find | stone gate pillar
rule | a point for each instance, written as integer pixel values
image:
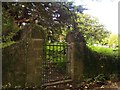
(76, 54)
(34, 59)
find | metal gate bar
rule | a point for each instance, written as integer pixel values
(55, 63)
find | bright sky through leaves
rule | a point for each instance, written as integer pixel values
(105, 10)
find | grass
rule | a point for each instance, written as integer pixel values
(102, 50)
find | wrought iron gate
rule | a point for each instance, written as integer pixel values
(56, 63)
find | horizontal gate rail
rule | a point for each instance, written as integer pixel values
(58, 82)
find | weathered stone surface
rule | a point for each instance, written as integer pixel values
(76, 51)
(22, 62)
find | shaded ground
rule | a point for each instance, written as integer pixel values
(108, 85)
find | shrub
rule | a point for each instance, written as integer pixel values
(101, 60)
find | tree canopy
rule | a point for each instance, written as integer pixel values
(57, 18)
(50, 15)
(91, 28)
(113, 40)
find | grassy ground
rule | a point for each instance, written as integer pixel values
(102, 50)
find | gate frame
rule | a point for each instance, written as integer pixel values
(76, 56)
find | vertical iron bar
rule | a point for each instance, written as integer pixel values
(60, 52)
(48, 62)
(44, 63)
